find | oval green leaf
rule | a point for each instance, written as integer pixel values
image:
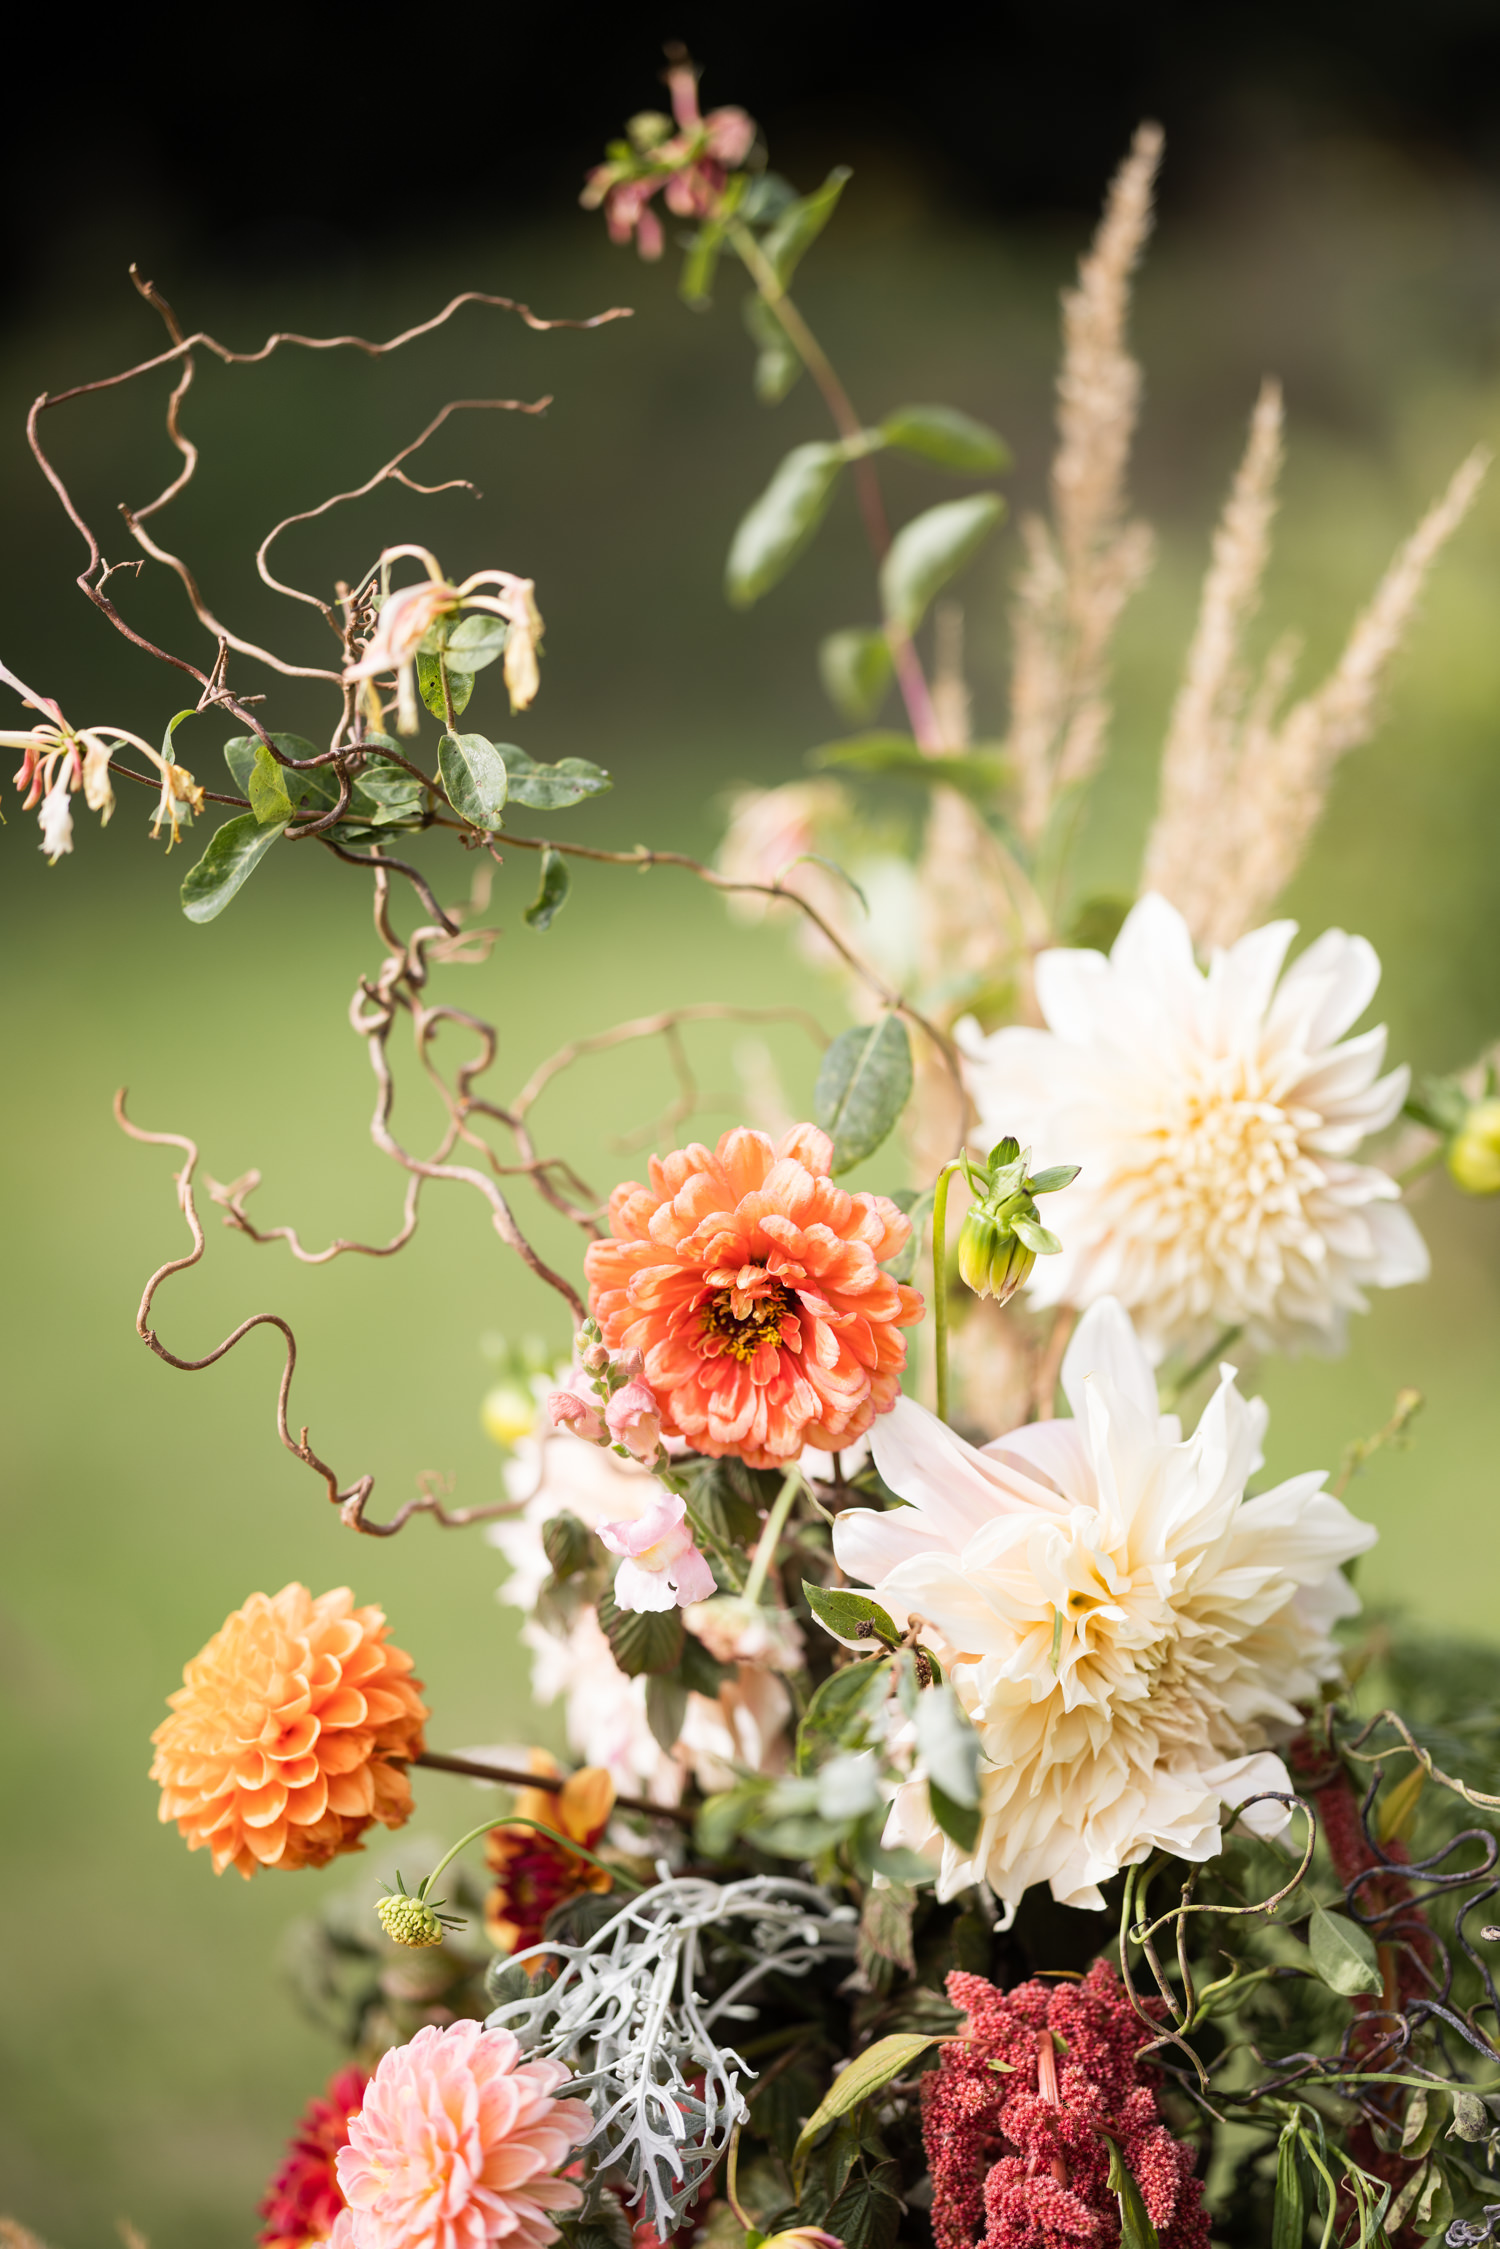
(843, 1613)
(863, 1086)
(951, 439)
(978, 772)
(269, 800)
(476, 640)
(948, 1746)
(430, 685)
(959, 1822)
(234, 852)
(930, 550)
(796, 230)
(474, 778)
(552, 892)
(855, 668)
(781, 522)
(551, 788)
(648, 1640)
(866, 2075)
(1343, 1953)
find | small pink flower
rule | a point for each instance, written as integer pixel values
(661, 1567)
(458, 2145)
(634, 1419)
(567, 1410)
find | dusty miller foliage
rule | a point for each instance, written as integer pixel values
(626, 2014)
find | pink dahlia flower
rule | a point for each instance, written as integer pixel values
(458, 2145)
(752, 1285)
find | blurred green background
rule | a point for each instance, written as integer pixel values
(149, 2063)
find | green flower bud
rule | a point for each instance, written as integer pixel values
(991, 1260)
(1474, 1152)
(409, 1921)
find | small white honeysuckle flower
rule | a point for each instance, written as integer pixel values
(408, 615)
(55, 815)
(1214, 1114)
(1129, 1634)
(98, 791)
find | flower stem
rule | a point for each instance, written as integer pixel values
(765, 1552)
(1423, 1165)
(1200, 1366)
(910, 677)
(940, 1281)
(519, 1819)
(732, 2181)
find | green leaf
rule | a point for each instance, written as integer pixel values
(1097, 923)
(567, 1543)
(1289, 2217)
(666, 1708)
(1039, 1239)
(1471, 2119)
(866, 2075)
(885, 1926)
(473, 775)
(695, 283)
(903, 1266)
(234, 852)
(977, 773)
(777, 364)
(958, 1821)
(864, 1083)
(476, 640)
(948, 1745)
(855, 668)
(430, 685)
(269, 800)
(843, 1613)
(319, 786)
(835, 1717)
(1342, 1953)
(648, 1640)
(551, 788)
(384, 792)
(552, 892)
(781, 522)
(1053, 1180)
(930, 550)
(943, 434)
(1136, 2229)
(723, 1818)
(702, 1673)
(787, 243)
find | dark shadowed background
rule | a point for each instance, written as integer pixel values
(1330, 212)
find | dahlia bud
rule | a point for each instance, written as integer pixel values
(992, 1261)
(1002, 1236)
(409, 1921)
(1474, 1152)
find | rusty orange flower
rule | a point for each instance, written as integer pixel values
(752, 1286)
(290, 1734)
(533, 1872)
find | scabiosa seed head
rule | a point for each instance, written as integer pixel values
(409, 1921)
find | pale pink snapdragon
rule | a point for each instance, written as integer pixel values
(660, 1566)
(567, 1409)
(634, 1419)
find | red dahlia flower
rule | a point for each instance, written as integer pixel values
(304, 2198)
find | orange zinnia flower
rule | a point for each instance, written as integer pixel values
(290, 1734)
(532, 1872)
(752, 1285)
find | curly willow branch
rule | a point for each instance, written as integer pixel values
(95, 573)
(351, 1502)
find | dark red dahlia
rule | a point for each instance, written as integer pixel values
(1020, 2153)
(303, 2199)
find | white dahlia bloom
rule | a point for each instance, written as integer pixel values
(1214, 1115)
(1130, 1634)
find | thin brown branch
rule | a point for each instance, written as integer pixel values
(553, 1783)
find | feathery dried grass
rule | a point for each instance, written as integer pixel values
(1203, 738)
(1080, 572)
(1241, 798)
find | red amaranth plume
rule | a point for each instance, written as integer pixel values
(1020, 2154)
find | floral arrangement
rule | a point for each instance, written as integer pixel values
(971, 1834)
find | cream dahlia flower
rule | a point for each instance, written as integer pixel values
(1214, 1115)
(1130, 1634)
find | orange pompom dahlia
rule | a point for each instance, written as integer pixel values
(290, 1733)
(752, 1286)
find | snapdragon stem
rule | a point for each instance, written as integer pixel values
(765, 1552)
(1199, 1367)
(940, 1281)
